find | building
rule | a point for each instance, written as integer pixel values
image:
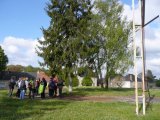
(127, 81)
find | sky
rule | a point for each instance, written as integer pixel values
(21, 22)
(20, 27)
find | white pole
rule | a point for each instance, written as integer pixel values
(135, 63)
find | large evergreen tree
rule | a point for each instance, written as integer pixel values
(66, 35)
(3, 60)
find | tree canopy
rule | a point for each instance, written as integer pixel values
(20, 68)
(66, 34)
(110, 33)
(148, 75)
(3, 60)
(88, 35)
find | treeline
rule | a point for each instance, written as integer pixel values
(20, 68)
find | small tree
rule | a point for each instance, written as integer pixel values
(158, 83)
(87, 81)
(150, 76)
(74, 82)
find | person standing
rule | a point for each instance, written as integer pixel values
(60, 85)
(11, 85)
(37, 86)
(22, 89)
(51, 87)
(31, 87)
(18, 85)
(44, 84)
(55, 79)
(26, 83)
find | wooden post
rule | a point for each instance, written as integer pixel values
(135, 63)
(143, 53)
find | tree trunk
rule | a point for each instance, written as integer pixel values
(106, 81)
(70, 82)
(102, 83)
(0, 74)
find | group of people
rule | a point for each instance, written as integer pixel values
(36, 87)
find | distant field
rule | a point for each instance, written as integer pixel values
(61, 109)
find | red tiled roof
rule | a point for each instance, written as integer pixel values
(41, 74)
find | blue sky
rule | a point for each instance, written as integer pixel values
(24, 18)
(21, 20)
(129, 2)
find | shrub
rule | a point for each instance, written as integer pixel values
(87, 81)
(158, 83)
(75, 81)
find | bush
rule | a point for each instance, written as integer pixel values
(158, 83)
(87, 81)
(75, 81)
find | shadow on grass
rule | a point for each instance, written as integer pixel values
(15, 109)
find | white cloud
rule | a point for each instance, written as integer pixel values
(128, 12)
(20, 51)
(12, 49)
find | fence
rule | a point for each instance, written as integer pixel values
(3, 84)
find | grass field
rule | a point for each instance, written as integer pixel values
(90, 91)
(60, 109)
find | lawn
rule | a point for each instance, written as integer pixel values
(60, 109)
(90, 91)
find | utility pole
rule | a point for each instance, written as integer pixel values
(143, 56)
(135, 61)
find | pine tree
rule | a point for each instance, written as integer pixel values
(64, 38)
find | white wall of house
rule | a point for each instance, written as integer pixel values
(126, 84)
(139, 84)
(94, 82)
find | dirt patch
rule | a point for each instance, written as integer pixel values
(129, 99)
(99, 98)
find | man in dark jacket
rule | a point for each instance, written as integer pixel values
(44, 83)
(60, 85)
(11, 85)
(51, 87)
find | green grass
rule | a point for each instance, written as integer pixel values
(95, 91)
(102, 91)
(57, 109)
